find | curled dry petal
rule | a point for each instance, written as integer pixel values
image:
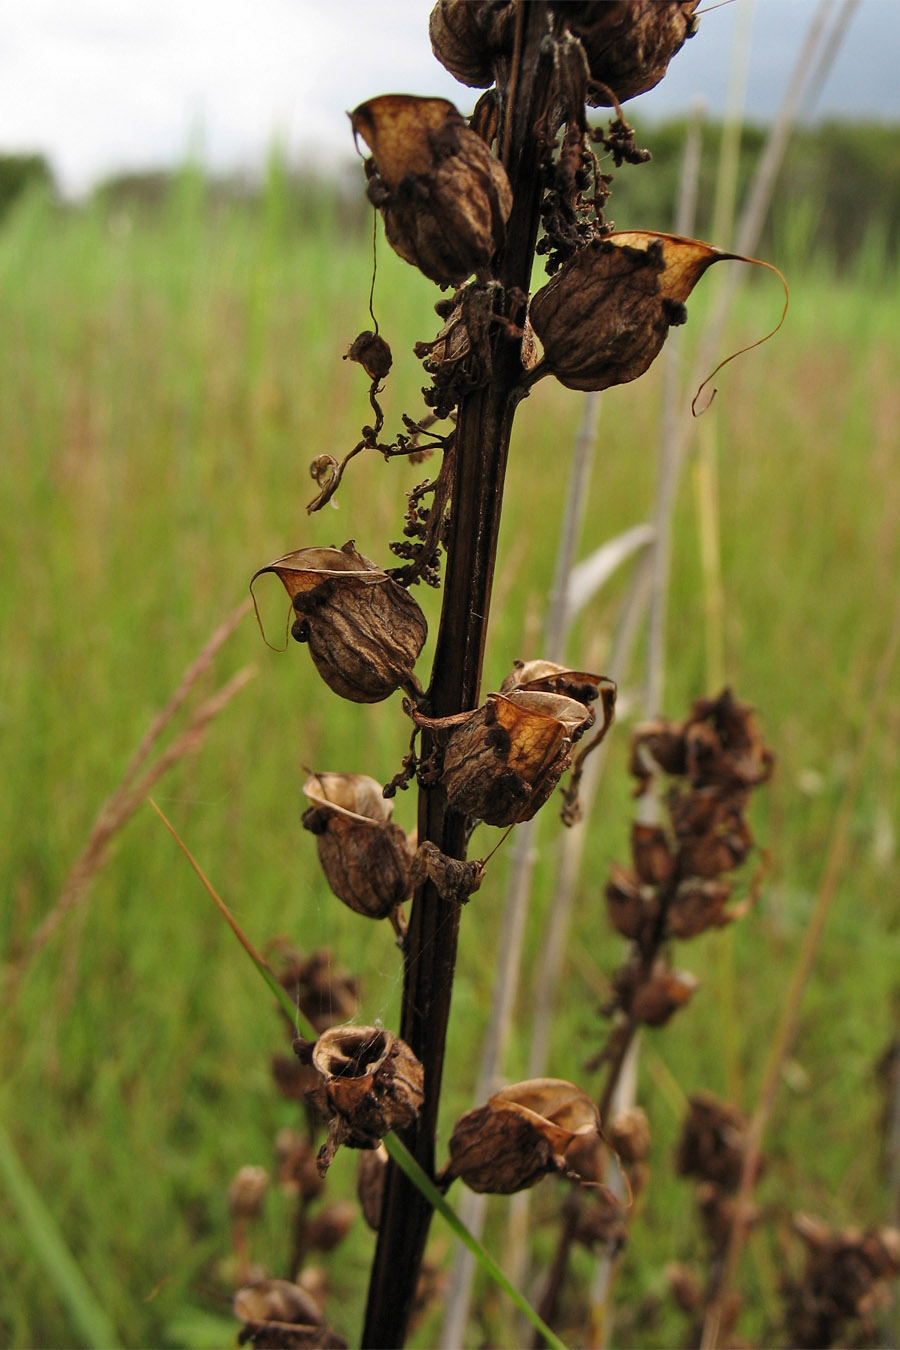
(629, 43)
(603, 318)
(365, 857)
(364, 631)
(525, 1131)
(371, 1083)
(444, 198)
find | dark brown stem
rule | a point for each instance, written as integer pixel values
(482, 443)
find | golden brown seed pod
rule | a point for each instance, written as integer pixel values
(444, 197)
(364, 631)
(603, 318)
(525, 1131)
(365, 857)
(467, 35)
(371, 1083)
(629, 43)
(502, 761)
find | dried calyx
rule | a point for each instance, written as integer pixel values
(364, 855)
(370, 1083)
(628, 43)
(501, 762)
(364, 631)
(524, 1132)
(445, 199)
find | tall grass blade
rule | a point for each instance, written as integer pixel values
(50, 1249)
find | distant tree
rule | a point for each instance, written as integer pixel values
(19, 174)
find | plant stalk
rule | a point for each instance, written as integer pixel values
(484, 427)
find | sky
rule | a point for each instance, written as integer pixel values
(103, 86)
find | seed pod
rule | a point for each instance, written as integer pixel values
(330, 1226)
(364, 855)
(522, 1133)
(364, 631)
(444, 198)
(548, 677)
(371, 1083)
(502, 761)
(697, 906)
(279, 1313)
(371, 352)
(370, 1174)
(632, 908)
(466, 36)
(655, 998)
(629, 43)
(605, 315)
(247, 1192)
(650, 850)
(713, 1142)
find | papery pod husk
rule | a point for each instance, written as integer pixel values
(290, 1336)
(657, 998)
(650, 851)
(282, 1316)
(713, 1143)
(549, 677)
(371, 1083)
(604, 316)
(365, 857)
(629, 43)
(632, 908)
(467, 35)
(723, 745)
(502, 761)
(524, 1132)
(364, 631)
(445, 199)
(698, 906)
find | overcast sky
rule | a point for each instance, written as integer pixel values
(105, 85)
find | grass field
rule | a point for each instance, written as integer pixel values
(165, 383)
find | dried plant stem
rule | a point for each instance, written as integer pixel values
(787, 1028)
(482, 442)
(134, 786)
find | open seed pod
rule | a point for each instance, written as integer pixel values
(502, 761)
(364, 855)
(277, 1312)
(604, 316)
(549, 677)
(364, 631)
(444, 198)
(466, 36)
(525, 1131)
(371, 1083)
(629, 43)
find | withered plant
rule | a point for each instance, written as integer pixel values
(471, 202)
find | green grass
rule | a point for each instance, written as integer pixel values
(166, 382)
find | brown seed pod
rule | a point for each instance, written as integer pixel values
(697, 906)
(370, 1174)
(522, 1133)
(467, 35)
(247, 1192)
(629, 43)
(633, 909)
(502, 761)
(548, 677)
(653, 860)
(364, 855)
(371, 352)
(656, 997)
(371, 1083)
(364, 631)
(444, 198)
(713, 1142)
(604, 316)
(277, 1313)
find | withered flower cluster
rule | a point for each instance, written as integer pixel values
(676, 886)
(843, 1284)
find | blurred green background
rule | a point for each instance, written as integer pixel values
(170, 363)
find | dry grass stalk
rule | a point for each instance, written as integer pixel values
(134, 786)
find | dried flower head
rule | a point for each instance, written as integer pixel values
(525, 1131)
(443, 196)
(364, 855)
(468, 35)
(364, 631)
(371, 1083)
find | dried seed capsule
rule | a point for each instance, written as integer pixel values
(277, 1312)
(629, 43)
(466, 36)
(371, 352)
(653, 860)
(548, 677)
(502, 761)
(364, 631)
(364, 855)
(632, 908)
(605, 315)
(370, 1174)
(522, 1133)
(247, 1192)
(444, 198)
(371, 1083)
(713, 1142)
